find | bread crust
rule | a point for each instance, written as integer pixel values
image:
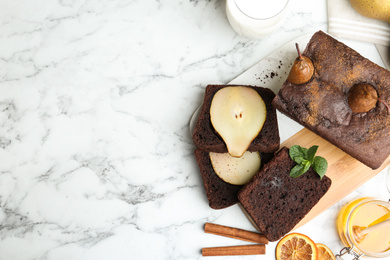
(321, 105)
(277, 202)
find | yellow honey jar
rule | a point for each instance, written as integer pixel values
(363, 213)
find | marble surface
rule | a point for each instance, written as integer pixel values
(95, 99)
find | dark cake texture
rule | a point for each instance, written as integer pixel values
(220, 194)
(275, 201)
(207, 139)
(321, 104)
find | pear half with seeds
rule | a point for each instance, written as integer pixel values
(237, 114)
(233, 170)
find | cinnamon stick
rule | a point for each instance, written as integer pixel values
(235, 233)
(257, 249)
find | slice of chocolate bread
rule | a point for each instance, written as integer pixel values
(207, 139)
(275, 201)
(220, 194)
(321, 104)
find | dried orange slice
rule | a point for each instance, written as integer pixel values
(324, 253)
(296, 246)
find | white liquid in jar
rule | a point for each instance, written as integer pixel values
(255, 18)
(260, 9)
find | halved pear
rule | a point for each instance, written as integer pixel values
(233, 170)
(238, 114)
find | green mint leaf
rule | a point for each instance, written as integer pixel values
(304, 151)
(320, 165)
(305, 158)
(300, 160)
(297, 171)
(306, 166)
(311, 153)
(297, 151)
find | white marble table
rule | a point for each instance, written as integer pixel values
(95, 99)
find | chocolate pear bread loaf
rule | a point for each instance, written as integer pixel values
(220, 194)
(275, 201)
(207, 139)
(324, 103)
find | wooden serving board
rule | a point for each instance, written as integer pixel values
(346, 173)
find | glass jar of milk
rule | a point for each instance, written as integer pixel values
(256, 18)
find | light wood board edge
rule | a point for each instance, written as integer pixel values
(346, 173)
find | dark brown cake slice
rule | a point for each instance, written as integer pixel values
(207, 139)
(275, 201)
(321, 104)
(220, 194)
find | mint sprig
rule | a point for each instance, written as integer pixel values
(305, 158)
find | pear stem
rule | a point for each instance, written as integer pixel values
(299, 52)
(384, 103)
